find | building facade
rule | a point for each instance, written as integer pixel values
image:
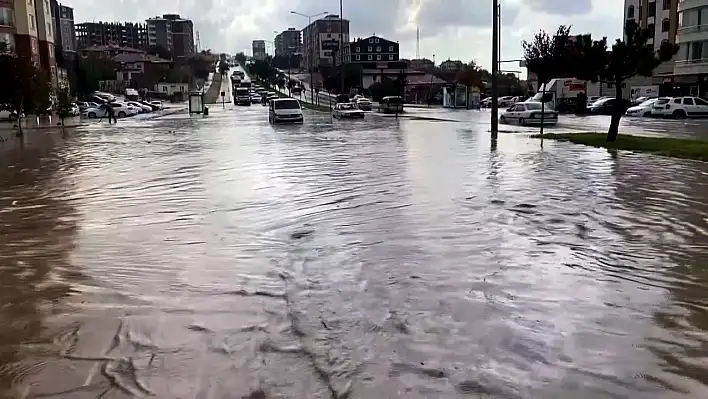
(173, 33)
(128, 34)
(64, 30)
(259, 49)
(26, 34)
(321, 41)
(288, 43)
(692, 38)
(8, 26)
(371, 50)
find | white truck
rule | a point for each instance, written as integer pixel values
(643, 91)
(560, 93)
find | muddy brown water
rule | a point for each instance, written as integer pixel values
(224, 258)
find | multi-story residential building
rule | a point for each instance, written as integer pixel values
(45, 36)
(259, 49)
(173, 33)
(64, 30)
(124, 34)
(287, 43)
(26, 40)
(658, 15)
(692, 38)
(371, 50)
(321, 41)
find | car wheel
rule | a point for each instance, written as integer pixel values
(12, 117)
(679, 114)
(647, 114)
(121, 114)
(92, 115)
(502, 119)
(522, 121)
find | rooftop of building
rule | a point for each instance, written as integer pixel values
(139, 57)
(112, 48)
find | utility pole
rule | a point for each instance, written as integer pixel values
(341, 44)
(495, 69)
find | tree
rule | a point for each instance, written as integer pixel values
(25, 88)
(241, 58)
(546, 57)
(384, 87)
(90, 71)
(64, 103)
(223, 68)
(630, 57)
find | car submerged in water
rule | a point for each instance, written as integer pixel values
(347, 110)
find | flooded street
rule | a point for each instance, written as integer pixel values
(226, 258)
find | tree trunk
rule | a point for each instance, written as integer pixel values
(616, 114)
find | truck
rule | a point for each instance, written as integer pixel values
(561, 93)
(643, 91)
(242, 97)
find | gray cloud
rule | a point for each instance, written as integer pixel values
(561, 7)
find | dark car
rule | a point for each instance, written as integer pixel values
(604, 106)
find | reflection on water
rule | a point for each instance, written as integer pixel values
(222, 257)
(37, 236)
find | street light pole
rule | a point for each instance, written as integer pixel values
(495, 69)
(341, 44)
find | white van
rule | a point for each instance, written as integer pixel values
(285, 110)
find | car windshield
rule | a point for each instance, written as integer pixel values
(601, 101)
(346, 106)
(286, 104)
(533, 105)
(648, 102)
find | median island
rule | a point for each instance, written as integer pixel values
(666, 146)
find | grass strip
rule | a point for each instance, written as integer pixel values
(666, 146)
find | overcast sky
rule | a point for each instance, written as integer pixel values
(450, 29)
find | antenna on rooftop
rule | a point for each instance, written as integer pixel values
(417, 43)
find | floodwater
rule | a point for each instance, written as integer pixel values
(224, 258)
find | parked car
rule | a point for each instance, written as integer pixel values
(363, 104)
(605, 106)
(642, 99)
(147, 103)
(105, 96)
(142, 108)
(285, 110)
(529, 113)
(505, 101)
(680, 107)
(643, 109)
(158, 104)
(346, 110)
(121, 111)
(8, 115)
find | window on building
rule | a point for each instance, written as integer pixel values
(651, 10)
(371, 40)
(665, 25)
(6, 17)
(32, 24)
(358, 49)
(8, 39)
(49, 29)
(666, 5)
(358, 57)
(390, 57)
(696, 51)
(370, 49)
(376, 40)
(651, 27)
(378, 49)
(378, 57)
(641, 12)
(630, 12)
(371, 57)
(390, 49)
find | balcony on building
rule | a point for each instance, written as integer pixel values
(692, 38)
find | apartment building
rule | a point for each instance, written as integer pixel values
(321, 41)
(692, 38)
(287, 42)
(45, 35)
(371, 50)
(27, 28)
(173, 33)
(64, 29)
(259, 49)
(124, 34)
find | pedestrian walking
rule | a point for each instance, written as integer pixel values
(111, 113)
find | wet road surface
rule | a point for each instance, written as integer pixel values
(225, 258)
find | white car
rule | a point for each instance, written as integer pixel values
(363, 104)
(8, 115)
(680, 107)
(142, 108)
(643, 109)
(347, 110)
(121, 111)
(529, 113)
(284, 110)
(158, 104)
